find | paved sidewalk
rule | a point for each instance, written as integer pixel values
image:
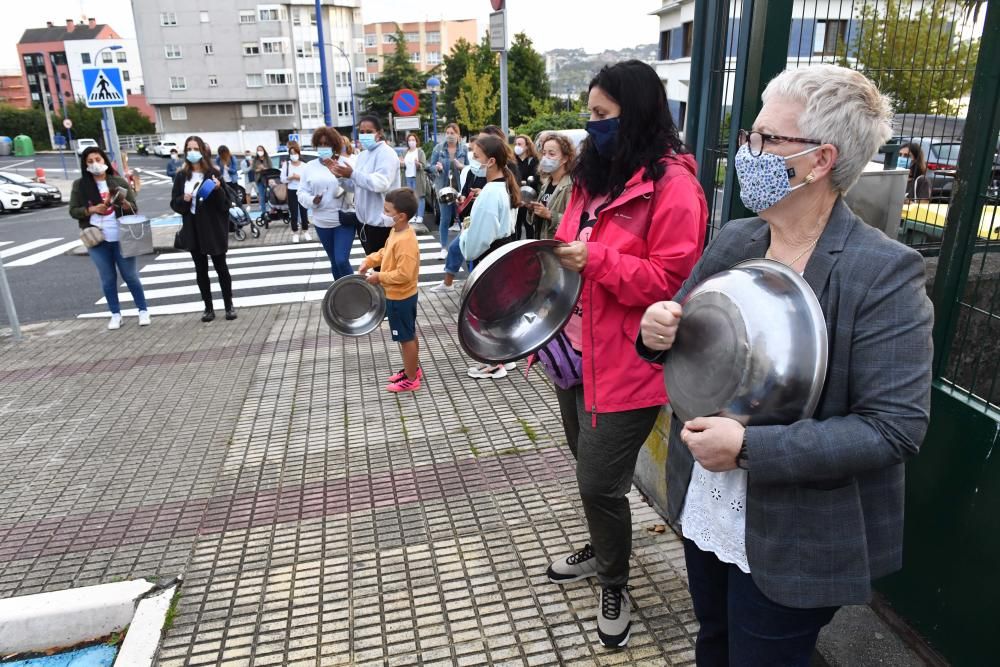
(318, 519)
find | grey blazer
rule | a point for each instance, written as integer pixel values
(825, 495)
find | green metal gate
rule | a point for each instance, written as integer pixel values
(946, 83)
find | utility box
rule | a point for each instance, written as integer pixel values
(6, 146)
(23, 146)
(877, 197)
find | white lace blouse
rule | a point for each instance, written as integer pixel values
(714, 514)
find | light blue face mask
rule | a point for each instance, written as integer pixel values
(193, 156)
(476, 167)
(904, 162)
(324, 152)
(367, 140)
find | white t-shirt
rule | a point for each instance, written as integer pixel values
(290, 169)
(107, 223)
(410, 161)
(191, 186)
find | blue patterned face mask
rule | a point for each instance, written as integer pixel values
(764, 180)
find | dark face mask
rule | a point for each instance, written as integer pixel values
(604, 134)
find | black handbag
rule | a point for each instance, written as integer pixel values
(178, 241)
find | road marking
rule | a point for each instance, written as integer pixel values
(305, 245)
(60, 249)
(3, 243)
(25, 247)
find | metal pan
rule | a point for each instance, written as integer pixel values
(751, 345)
(353, 307)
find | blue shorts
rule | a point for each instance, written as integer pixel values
(402, 318)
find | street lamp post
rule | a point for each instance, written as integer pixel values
(37, 58)
(108, 115)
(327, 117)
(434, 85)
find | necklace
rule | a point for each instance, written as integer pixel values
(797, 257)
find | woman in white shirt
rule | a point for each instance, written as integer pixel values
(94, 204)
(291, 174)
(320, 192)
(413, 162)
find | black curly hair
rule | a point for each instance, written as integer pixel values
(646, 132)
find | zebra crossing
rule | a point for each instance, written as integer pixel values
(13, 254)
(262, 276)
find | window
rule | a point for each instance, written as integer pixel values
(371, 60)
(172, 51)
(270, 13)
(126, 76)
(209, 50)
(388, 38)
(249, 111)
(255, 80)
(433, 37)
(370, 41)
(178, 113)
(121, 56)
(277, 78)
(272, 46)
(310, 108)
(213, 80)
(296, 18)
(178, 83)
(248, 16)
(433, 57)
(688, 36)
(203, 17)
(168, 18)
(251, 49)
(85, 58)
(309, 79)
(306, 49)
(106, 57)
(343, 108)
(828, 35)
(280, 109)
(312, 18)
(664, 52)
(360, 77)
(415, 57)
(342, 78)
(413, 37)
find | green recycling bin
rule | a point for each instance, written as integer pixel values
(23, 146)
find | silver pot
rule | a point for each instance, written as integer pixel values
(447, 195)
(751, 345)
(515, 301)
(353, 307)
(528, 194)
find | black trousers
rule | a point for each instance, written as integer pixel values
(205, 284)
(295, 210)
(373, 238)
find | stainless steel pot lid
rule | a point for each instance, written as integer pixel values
(353, 307)
(515, 301)
(751, 345)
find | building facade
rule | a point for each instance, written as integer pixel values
(427, 42)
(13, 89)
(817, 28)
(241, 74)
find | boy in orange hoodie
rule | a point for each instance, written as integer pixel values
(399, 263)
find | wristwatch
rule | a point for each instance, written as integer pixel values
(742, 459)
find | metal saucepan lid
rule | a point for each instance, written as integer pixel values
(353, 307)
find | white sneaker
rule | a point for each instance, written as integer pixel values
(443, 254)
(441, 287)
(143, 318)
(510, 365)
(306, 236)
(455, 228)
(115, 322)
(483, 372)
(295, 238)
(418, 220)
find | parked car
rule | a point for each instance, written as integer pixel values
(942, 162)
(84, 144)
(163, 148)
(45, 195)
(13, 198)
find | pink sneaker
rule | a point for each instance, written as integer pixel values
(399, 375)
(405, 384)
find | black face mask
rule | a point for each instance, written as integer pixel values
(604, 134)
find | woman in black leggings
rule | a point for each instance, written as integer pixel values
(204, 209)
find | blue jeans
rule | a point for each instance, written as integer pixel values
(446, 217)
(337, 242)
(455, 259)
(742, 626)
(108, 255)
(411, 182)
(262, 196)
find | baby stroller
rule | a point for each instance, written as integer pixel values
(239, 219)
(277, 198)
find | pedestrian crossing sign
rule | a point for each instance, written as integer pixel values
(103, 86)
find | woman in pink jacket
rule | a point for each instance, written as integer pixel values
(635, 227)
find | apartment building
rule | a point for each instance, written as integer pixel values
(13, 89)
(427, 42)
(242, 74)
(817, 27)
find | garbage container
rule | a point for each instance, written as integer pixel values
(23, 146)
(6, 146)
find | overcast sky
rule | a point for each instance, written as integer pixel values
(547, 23)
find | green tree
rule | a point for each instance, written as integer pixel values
(398, 72)
(527, 82)
(560, 120)
(456, 64)
(897, 47)
(476, 105)
(30, 122)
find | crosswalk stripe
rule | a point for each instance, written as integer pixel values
(25, 247)
(45, 254)
(305, 245)
(3, 243)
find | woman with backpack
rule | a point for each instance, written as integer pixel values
(198, 195)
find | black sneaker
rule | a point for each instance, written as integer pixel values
(208, 315)
(574, 567)
(614, 616)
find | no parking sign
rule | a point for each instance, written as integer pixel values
(406, 102)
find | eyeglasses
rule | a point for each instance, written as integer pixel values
(757, 141)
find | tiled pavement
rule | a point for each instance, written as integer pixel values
(318, 519)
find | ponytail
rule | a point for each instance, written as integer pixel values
(512, 186)
(496, 148)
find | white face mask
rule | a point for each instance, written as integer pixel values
(294, 157)
(412, 143)
(260, 153)
(519, 150)
(97, 168)
(387, 220)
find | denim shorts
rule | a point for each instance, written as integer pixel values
(402, 318)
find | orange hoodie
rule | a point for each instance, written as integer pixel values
(400, 262)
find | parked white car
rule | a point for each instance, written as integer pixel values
(13, 198)
(84, 144)
(163, 148)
